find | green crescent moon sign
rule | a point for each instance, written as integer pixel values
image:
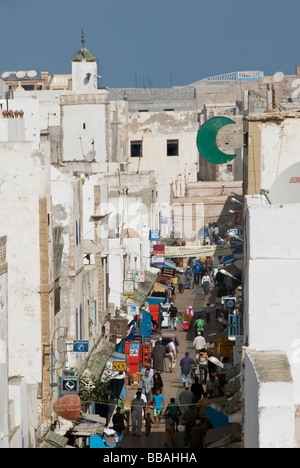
(207, 140)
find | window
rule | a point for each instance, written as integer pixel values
(57, 296)
(172, 147)
(136, 149)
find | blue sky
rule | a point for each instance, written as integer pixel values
(153, 42)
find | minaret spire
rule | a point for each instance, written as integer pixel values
(83, 42)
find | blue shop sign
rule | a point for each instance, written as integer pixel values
(80, 346)
(154, 235)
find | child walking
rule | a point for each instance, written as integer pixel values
(148, 424)
(169, 425)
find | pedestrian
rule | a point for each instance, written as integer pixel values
(189, 277)
(181, 281)
(218, 307)
(216, 232)
(174, 409)
(119, 424)
(146, 385)
(188, 316)
(158, 407)
(186, 364)
(206, 283)
(203, 365)
(197, 268)
(197, 434)
(173, 311)
(158, 357)
(148, 424)
(157, 384)
(186, 399)
(143, 396)
(208, 311)
(190, 417)
(171, 353)
(148, 368)
(137, 414)
(199, 326)
(197, 390)
(199, 343)
(212, 386)
(169, 430)
(220, 241)
(173, 291)
(209, 263)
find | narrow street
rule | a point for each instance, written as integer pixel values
(172, 381)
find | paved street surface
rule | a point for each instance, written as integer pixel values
(172, 382)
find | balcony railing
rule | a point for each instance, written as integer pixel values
(235, 326)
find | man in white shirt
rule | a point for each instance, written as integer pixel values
(199, 343)
(137, 414)
(206, 283)
(171, 350)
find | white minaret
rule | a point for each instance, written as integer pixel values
(84, 70)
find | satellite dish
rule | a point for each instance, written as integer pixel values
(20, 74)
(6, 74)
(90, 156)
(286, 188)
(279, 76)
(31, 73)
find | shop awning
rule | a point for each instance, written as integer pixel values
(223, 436)
(142, 292)
(99, 358)
(160, 288)
(193, 251)
(53, 440)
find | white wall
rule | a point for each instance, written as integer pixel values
(23, 180)
(154, 129)
(269, 410)
(27, 128)
(4, 438)
(272, 321)
(79, 76)
(67, 213)
(84, 126)
(282, 141)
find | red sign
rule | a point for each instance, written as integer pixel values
(68, 407)
(159, 249)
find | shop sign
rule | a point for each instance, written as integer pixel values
(157, 260)
(230, 303)
(69, 385)
(118, 328)
(139, 276)
(119, 366)
(133, 309)
(154, 235)
(158, 249)
(80, 346)
(225, 347)
(128, 288)
(134, 349)
(169, 272)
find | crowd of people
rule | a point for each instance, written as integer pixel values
(149, 408)
(199, 376)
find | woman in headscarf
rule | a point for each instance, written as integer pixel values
(188, 316)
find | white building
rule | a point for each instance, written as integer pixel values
(25, 215)
(272, 251)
